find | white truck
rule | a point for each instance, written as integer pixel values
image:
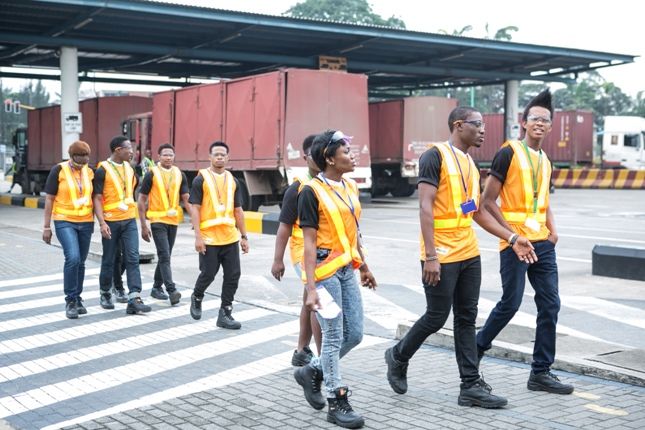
(623, 142)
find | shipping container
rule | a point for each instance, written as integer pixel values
(264, 119)
(400, 131)
(102, 120)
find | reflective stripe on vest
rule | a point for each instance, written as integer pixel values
(296, 231)
(79, 209)
(225, 217)
(339, 257)
(116, 180)
(163, 193)
(456, 190)
(527, 186)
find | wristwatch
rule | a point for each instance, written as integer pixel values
(245, 237)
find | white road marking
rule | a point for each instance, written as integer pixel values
(606, 309)
(44, 278)
(42, 289)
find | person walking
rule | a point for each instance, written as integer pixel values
(329, 212)
(115, 209)
(289, 231)
(218, 221)
(69, 202)
(520, 177)
(162, 188)
(449, 189)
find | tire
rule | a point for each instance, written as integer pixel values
(403, 189)
(246, 197)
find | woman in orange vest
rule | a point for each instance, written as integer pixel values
(69, 203)
(329, 213)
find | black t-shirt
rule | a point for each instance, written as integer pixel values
(51, 185)
(308, 207)
(289, 211)
(146, 184)
(99, 181)
(430, 167)
(502, 161)
(197, 192)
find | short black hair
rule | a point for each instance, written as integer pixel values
(217, 143)
(306, 144)
(544, 99)
(165, 146)
(460, 113)
(117, 142)
(323, 147)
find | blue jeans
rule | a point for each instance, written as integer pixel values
(543, 276)
(340, 334)
(126, 231)
(74, 237)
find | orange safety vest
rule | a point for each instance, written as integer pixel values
(118, 198)
(68, 202)
(297, 241)
(454, 238)
(163, 203)
(344, 249)
(217, 217)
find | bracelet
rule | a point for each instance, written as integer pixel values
(47, 228)
(245, 237)
(513, 239)
(432, 258)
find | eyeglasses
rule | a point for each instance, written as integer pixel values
(535, 118)
(338, 135)
(475, 123)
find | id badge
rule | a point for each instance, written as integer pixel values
(468, 207)
(123, 207)
(221, 208)
(532, 224)
(171, 212)
(82, 201)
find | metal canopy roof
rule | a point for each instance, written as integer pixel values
(134, 36)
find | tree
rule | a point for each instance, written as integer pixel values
(465, 29)
(349, 11)
(32, 95)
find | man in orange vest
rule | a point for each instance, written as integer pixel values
(449, 188)
(520, 176)
(290, 231)
(218, 220)
(162, 187)
(116, 212)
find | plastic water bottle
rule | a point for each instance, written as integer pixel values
(328, 308)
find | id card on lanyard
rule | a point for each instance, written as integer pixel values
(122, 206)
(348, 203)
(531, 221)
(469, 205)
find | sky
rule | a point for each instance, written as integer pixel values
(613, 27)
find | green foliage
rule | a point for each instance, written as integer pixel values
(30, 94)
(349, 11)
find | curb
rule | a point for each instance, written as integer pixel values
(583, 366)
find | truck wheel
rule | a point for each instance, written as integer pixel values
(403, 189)
(246, 197)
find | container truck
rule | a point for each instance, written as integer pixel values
(623, 142)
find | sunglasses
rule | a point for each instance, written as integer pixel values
(337, 136)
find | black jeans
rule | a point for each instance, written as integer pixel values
(119, 267)
(227, 256)
(459, 289)
(126, 231)
(164, 236)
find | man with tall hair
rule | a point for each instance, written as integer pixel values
(289, 231)
(218, 220)
(449, 189)
(115, 209)
(162, 188)
(520, 176)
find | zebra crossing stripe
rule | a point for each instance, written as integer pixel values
(43, 278)
(606, 309)
(42, 289)
(256, 369)
(384, 312)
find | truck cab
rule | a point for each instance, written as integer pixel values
(623, 142)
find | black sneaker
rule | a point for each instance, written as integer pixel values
(397, 372)
(225, 319)
(71, 311)
(340, 412)
(120, 295)
(106, 301)
(547, 381)
(310, 380)
(79, 307)
(479, 394)
(195, 307)
(174, 296)
(136, 306)
(302, 358)
(157, 293)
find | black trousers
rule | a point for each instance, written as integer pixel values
(164, 237)
(227, 256)
(459, 289)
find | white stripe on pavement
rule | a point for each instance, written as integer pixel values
(43, 278)
(606, 309)
(42, 289)
(129, 344)
(384, 312)
(245, 372)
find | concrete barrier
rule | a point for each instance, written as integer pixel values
(618, 262)
(599, 178)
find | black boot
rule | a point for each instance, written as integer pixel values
(120, 295)
(479, 394)
(225, 319)
(397, 372)
(195, 307)
(174, 296)
(136, 306)
(340, 411)
(310, 380)
(547, 381)
(106, 300)
(157, 293)
(71, 311)
(79, 306)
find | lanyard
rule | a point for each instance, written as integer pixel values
(79, 180)
(120, 177)
(534, 174)
(171, 176)
(463, 181)
(219, 197)
(348, 203)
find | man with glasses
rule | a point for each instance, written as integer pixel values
(218, 220)
(115, 209)
(520, 176)
(451, 265)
